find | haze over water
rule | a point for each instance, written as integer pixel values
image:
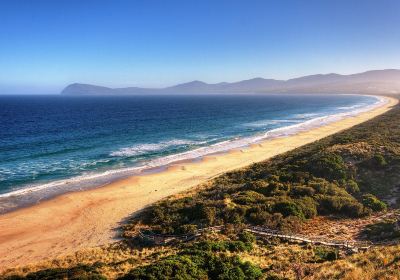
(54, 144)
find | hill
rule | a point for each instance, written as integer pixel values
(370, 82)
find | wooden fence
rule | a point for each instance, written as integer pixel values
(344, 244)
(164, 239)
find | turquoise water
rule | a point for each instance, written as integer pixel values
(54, 144)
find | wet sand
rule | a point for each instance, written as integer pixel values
(79, 220)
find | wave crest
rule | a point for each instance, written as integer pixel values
(141, 149)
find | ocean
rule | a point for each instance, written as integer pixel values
(55, 144)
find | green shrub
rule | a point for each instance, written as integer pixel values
(377, 162)
(340, 205)
(385, 230)
(322, 254)
(258, 216)
(273, 276)
(373, 203)
(327, 165)
(247, 237)
(235, 215)
(239, 246)
(308, 207)
(248, 198)
(196, 265)
(82, 272)
(288, 208)
(354, 209)
(352, 187)
(209, 214)
(380, 160)
(299, 191)
(190, 228)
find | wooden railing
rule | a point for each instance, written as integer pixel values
(348, 244)
(163, 239)
(168, 238)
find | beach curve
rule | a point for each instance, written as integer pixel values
(89, 218)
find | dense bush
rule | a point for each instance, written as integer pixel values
(322, 254)
(386, 230)
(352, 187)
(196, 265)
(372, 202)
(288, 208)
(74, 273)
(379, 160)
(330, 166)
(341, 205)
(247, 237)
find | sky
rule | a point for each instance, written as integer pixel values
(47, 44)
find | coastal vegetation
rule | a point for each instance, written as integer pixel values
(382, 231)
(349, 174)
(203, 260)
(77, 272)
(268, 259)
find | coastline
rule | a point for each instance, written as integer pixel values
(37, 192)
(89, 218)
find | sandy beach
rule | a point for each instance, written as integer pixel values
(78, 220)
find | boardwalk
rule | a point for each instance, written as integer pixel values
(163, 239)
(344, 244)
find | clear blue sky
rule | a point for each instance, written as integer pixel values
(45, 45)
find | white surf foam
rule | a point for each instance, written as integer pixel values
(144, 148)
(305, 115)
(263, 123)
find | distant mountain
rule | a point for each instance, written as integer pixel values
(370, 82)
(194, 86)
(78, 89)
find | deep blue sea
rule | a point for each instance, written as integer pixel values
(54, 144)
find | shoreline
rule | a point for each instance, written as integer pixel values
(32, 195)
(89, 218)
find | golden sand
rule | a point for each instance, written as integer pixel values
(90, 218)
